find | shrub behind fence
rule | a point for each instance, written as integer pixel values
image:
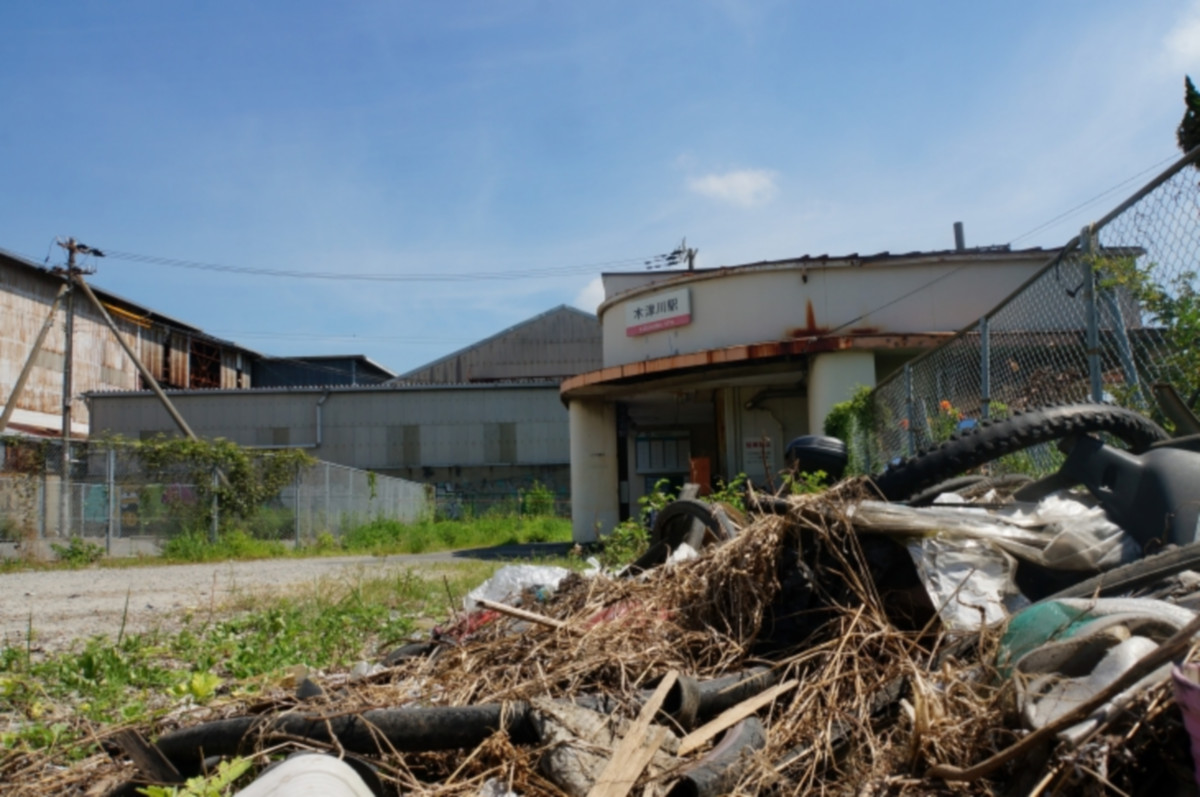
(1114, 312)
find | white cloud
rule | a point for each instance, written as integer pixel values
(745, 187)
(591, 296)
(1182, 42)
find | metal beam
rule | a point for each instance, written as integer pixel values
(146, 375)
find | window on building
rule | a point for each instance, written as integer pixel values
(663, 452)
(500, 443)
(404, 445)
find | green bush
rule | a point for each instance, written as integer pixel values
(538, 499)
(194, 545)
(78, 552)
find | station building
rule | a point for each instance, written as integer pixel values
(707, 374)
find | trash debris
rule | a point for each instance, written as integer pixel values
(828, 643)
(511, 581)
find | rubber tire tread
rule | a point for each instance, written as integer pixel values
(991, 440)
(678, 510)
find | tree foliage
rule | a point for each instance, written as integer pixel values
(1188, 133)
(242, 479)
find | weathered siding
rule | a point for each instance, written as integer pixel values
(388, 430)
(99, 363)
(554, 345)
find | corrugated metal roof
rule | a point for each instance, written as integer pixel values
(383, 387)
(497, 336)
(130, 305)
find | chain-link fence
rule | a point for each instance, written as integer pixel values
(111, 496)
(1115, 311)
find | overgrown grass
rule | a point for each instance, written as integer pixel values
(62, 701)
(388, 536)
(377, 537)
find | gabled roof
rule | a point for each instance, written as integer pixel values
(562, 309)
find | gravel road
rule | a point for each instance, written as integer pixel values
(64, 605)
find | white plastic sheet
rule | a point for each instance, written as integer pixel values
(510, 581)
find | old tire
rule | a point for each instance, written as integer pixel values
(991, 440)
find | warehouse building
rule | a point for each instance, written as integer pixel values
(177, 354)
(480, 423)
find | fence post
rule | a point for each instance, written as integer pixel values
(112, 499)
(985, 368)
(44, 505)
(297, 504)
(215, 517)
(1093, 314)
(908, 407)
(1124, 350)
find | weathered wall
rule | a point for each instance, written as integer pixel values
(556, 344)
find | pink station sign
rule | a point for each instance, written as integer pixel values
(657, 312)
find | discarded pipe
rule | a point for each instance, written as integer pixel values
(718, 771)
(719, 694)
(402, 729)
(308, 775)
(690, 702)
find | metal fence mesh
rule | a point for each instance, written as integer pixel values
(1111, 314)
(110, 496)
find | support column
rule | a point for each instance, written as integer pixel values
(594, 496)
(832, 378)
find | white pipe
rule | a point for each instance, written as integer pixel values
(308, 775)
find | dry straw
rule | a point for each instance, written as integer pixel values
(875, 707)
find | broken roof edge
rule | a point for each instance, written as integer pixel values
(128, 305)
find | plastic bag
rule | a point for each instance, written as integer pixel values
(511, 580)
(969, 581)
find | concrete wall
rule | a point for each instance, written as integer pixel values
(794, 299)
(468, 438)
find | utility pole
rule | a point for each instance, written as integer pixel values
(64, 481)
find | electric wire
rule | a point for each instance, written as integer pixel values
(1155, 167)
(460, 276)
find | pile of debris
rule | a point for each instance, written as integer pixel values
(829, 643)
(799, 655)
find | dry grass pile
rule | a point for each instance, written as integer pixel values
(872, 709)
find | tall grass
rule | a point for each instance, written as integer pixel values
(63, 700)
(389, 536)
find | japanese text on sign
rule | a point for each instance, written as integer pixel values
(657, 312)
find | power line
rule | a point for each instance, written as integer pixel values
(461, 276)
(346, 337)
(1094, 199)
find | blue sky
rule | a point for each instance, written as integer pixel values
(516, 149)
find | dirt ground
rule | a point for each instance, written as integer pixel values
(64, 605)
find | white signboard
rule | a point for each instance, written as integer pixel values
(758, 457)
(658, 311)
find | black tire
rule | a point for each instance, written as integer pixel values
(686, 520)
(994, 439)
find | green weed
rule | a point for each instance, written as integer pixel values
(78, 552)
(58, 703)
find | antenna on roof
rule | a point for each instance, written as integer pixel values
(674, 258)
